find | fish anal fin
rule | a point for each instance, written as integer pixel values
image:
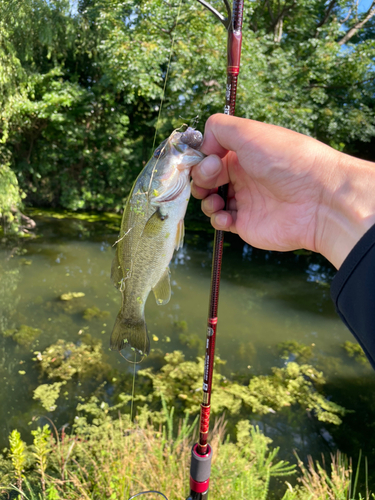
(162, 290)
(116, 272)
(180, 234)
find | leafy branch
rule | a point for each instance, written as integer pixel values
(354, 29)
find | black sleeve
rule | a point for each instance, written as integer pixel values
(353, 292)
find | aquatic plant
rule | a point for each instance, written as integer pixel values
(246, 350)
(71, 295)
(300, 352)
(64, 360)
(180, 326)
(355, 351)
(24, 335)
(95, 313)
(48, 394)
(193, 341)
(179, 382)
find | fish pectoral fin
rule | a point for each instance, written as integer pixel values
(116, 272)
(154, 224)
(162, 290)
(180, 234)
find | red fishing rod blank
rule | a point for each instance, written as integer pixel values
(201, 453)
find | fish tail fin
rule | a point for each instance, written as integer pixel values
(129, 336)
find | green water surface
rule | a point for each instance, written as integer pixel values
(265, 298)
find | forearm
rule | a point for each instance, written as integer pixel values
(347, 208)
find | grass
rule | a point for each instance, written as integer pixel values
(111, 458)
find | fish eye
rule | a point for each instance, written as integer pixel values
(160, 150)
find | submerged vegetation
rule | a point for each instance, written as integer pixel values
(24, 335)
(64, 360)
(355, 351)
(180, 380)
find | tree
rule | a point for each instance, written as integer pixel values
(84, 88)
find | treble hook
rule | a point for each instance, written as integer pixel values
(226, 21)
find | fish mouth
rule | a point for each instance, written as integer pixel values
(185, 145)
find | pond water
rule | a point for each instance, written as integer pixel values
(265, 298)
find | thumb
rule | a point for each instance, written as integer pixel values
(210, 173)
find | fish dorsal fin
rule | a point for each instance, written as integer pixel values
(116, 271)
(162, 290)
(180, 234)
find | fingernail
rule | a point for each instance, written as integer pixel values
(220, 220)
(210, 166)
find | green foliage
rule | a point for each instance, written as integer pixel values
(10, 199)
(80, 89)
(8, 287)
(257, 461)
(193, 341)
(181, 326)
(42, 450)
(339, 482)
(355, 351)
(114, 458)
(18, 456)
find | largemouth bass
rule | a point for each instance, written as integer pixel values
(152, 228)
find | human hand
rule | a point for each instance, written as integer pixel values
(286, 190)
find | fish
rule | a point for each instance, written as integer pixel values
(152, 228)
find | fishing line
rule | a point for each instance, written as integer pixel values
(131, 407)
(148, 193)
(166, 75)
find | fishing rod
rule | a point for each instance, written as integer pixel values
(201, 453)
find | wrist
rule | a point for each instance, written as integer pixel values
(347, 208)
